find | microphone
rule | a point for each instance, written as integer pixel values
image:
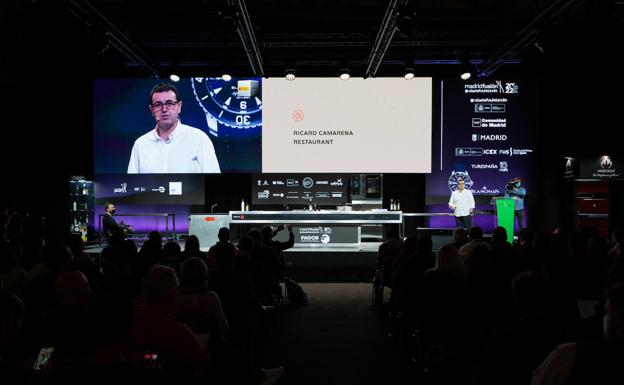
(212, 207)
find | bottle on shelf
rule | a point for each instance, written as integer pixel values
(75, 206)
(391, 204)
(398, 205)
(246, 206)
(311, 206)
(243, 204)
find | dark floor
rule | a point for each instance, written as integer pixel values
(336, 339)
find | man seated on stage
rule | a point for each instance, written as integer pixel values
(463, 204)
(110, 225)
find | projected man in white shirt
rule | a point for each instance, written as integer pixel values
(171, 147)
(462, 203)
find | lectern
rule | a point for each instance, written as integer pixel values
(505, 214)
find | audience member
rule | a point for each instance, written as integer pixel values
(12, 277)
(590, 362)
(475, 234)
(223, 236)
(268, 234)
(460, 237)
(443, 301)
(195, 305)
(12, 370)
(270, 270)
(517, 349)
(192, 249)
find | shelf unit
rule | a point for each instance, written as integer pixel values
(81, 207)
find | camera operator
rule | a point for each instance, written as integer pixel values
(514, 191)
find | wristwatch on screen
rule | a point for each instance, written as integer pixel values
(452, 182)
(234, 104)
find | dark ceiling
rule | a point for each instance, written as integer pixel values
(318, 37)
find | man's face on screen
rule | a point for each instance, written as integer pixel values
(165, 109)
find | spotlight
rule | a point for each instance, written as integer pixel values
(345, 74)
(465, 72)
(409, 73)
(290, 74)
(174, 78)
(226, 77)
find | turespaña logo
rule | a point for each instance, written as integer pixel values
(503, 167)
(122, 189)
(307, 182)
(605, 162)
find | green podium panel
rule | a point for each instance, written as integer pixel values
(505, 216)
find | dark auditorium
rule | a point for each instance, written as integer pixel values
(327, 192)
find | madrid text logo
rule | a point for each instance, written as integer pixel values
(489, 137)
(122, 189)
(307, 182)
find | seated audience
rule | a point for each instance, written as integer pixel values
(475, 234)
(195, 305)
(590, 362)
